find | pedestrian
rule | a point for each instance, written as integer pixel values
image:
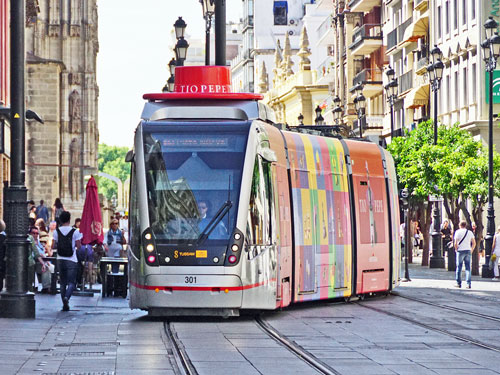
(34, 258)
(495, 254)
(464, 243)
(77, 223)
(446, 235)
(115, 241)
(32, 216)
(41, 267)
(57, 209)
(66, 239)
(42, 211)
(3, 253)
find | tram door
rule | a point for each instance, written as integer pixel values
(261, 222)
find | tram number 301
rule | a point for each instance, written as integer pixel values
(190, 280)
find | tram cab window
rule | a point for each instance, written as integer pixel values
(260, 211)
(134, 228)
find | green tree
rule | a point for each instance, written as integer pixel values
(111, 160)
(456, 168)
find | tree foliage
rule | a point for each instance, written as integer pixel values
(456, 168)
(111, 160)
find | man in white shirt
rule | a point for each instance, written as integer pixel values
(68, 265)
(464, 243)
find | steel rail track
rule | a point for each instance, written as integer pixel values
(296, 349)
(457, 309)
(427, 326)
(182, 361)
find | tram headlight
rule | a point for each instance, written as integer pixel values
(237, 236)
(150, 247)
(235, 248)
(151, 259)
(148, 236)
(232, 259)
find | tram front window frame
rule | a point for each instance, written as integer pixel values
(200, 162)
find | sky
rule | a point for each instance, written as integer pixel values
(134, 50)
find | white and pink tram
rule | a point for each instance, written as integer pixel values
(229, 212)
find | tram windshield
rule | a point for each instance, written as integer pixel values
(193, 178)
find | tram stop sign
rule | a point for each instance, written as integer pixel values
(496, 86)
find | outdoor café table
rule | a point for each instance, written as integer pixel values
(103, 267)
(53, 276)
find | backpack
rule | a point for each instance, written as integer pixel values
(65, 243)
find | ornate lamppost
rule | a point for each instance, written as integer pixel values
(337, 111)
(300, 117)
(391, 90)
(435, 71)
(182, 45)
(319, 120)
(169, 86)
(208, 12)
(491, 52)
(360, 104)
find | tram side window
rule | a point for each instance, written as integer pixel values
(134, 228)
(259, 213)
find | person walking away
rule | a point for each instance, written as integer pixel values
(57, 209)
(495, 255)
(42, 212)
(3, 237)
(464, 243)
(446, 235)
(66, 239)
(115, 241)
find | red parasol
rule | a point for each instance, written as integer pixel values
(91, 224)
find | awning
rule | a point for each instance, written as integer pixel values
(418, 29)
(417, 97)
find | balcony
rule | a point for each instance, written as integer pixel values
(421, 61)
(325, 32)
(421, 5)
(392, 39)
(326, 71)
(363, 5)
(366, 39)
(405, 82)
(402, 28)
(248, 21)
(325, 5)
(371, 80)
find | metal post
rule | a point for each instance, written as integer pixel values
(220, 32)
(490, 226)
(17, 302)
(407, 245)
(437, 260)
(208, 26)
(392, 116)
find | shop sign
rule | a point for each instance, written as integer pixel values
(496, 86)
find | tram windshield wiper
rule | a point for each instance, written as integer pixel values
(223, 210)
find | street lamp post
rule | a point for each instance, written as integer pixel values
(337, 111)
(220, 32)
(319, 120)
(392, 91)
(208, 12)
(182, 45)
(360, 103)
(300, 117)
(435, 71)
(17, 302)
(491, 50)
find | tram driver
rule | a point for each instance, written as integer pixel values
(206, 216)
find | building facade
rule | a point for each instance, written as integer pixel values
(62, 46)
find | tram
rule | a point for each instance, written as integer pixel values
(228, 212)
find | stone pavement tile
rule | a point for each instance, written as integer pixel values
(146, 372)
(145, 350)
(251, 353)
(224, 368)
(318, 343)
(274, 368)
(427, 355)
(208, 342)
(486, 358)
(9, 369)
(411, 369)
(457, 364)
(466, 372)
(143, 362)
(384, 357)
(255, 343)
(361, 369)
(214, 355)
(328, 353)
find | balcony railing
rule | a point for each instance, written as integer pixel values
(324, 27)
(366, 31)
(405, 81)
(248, 21)
(370, 76)
(392, 39)
(402, 28)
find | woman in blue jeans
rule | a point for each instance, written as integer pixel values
(67, 265)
